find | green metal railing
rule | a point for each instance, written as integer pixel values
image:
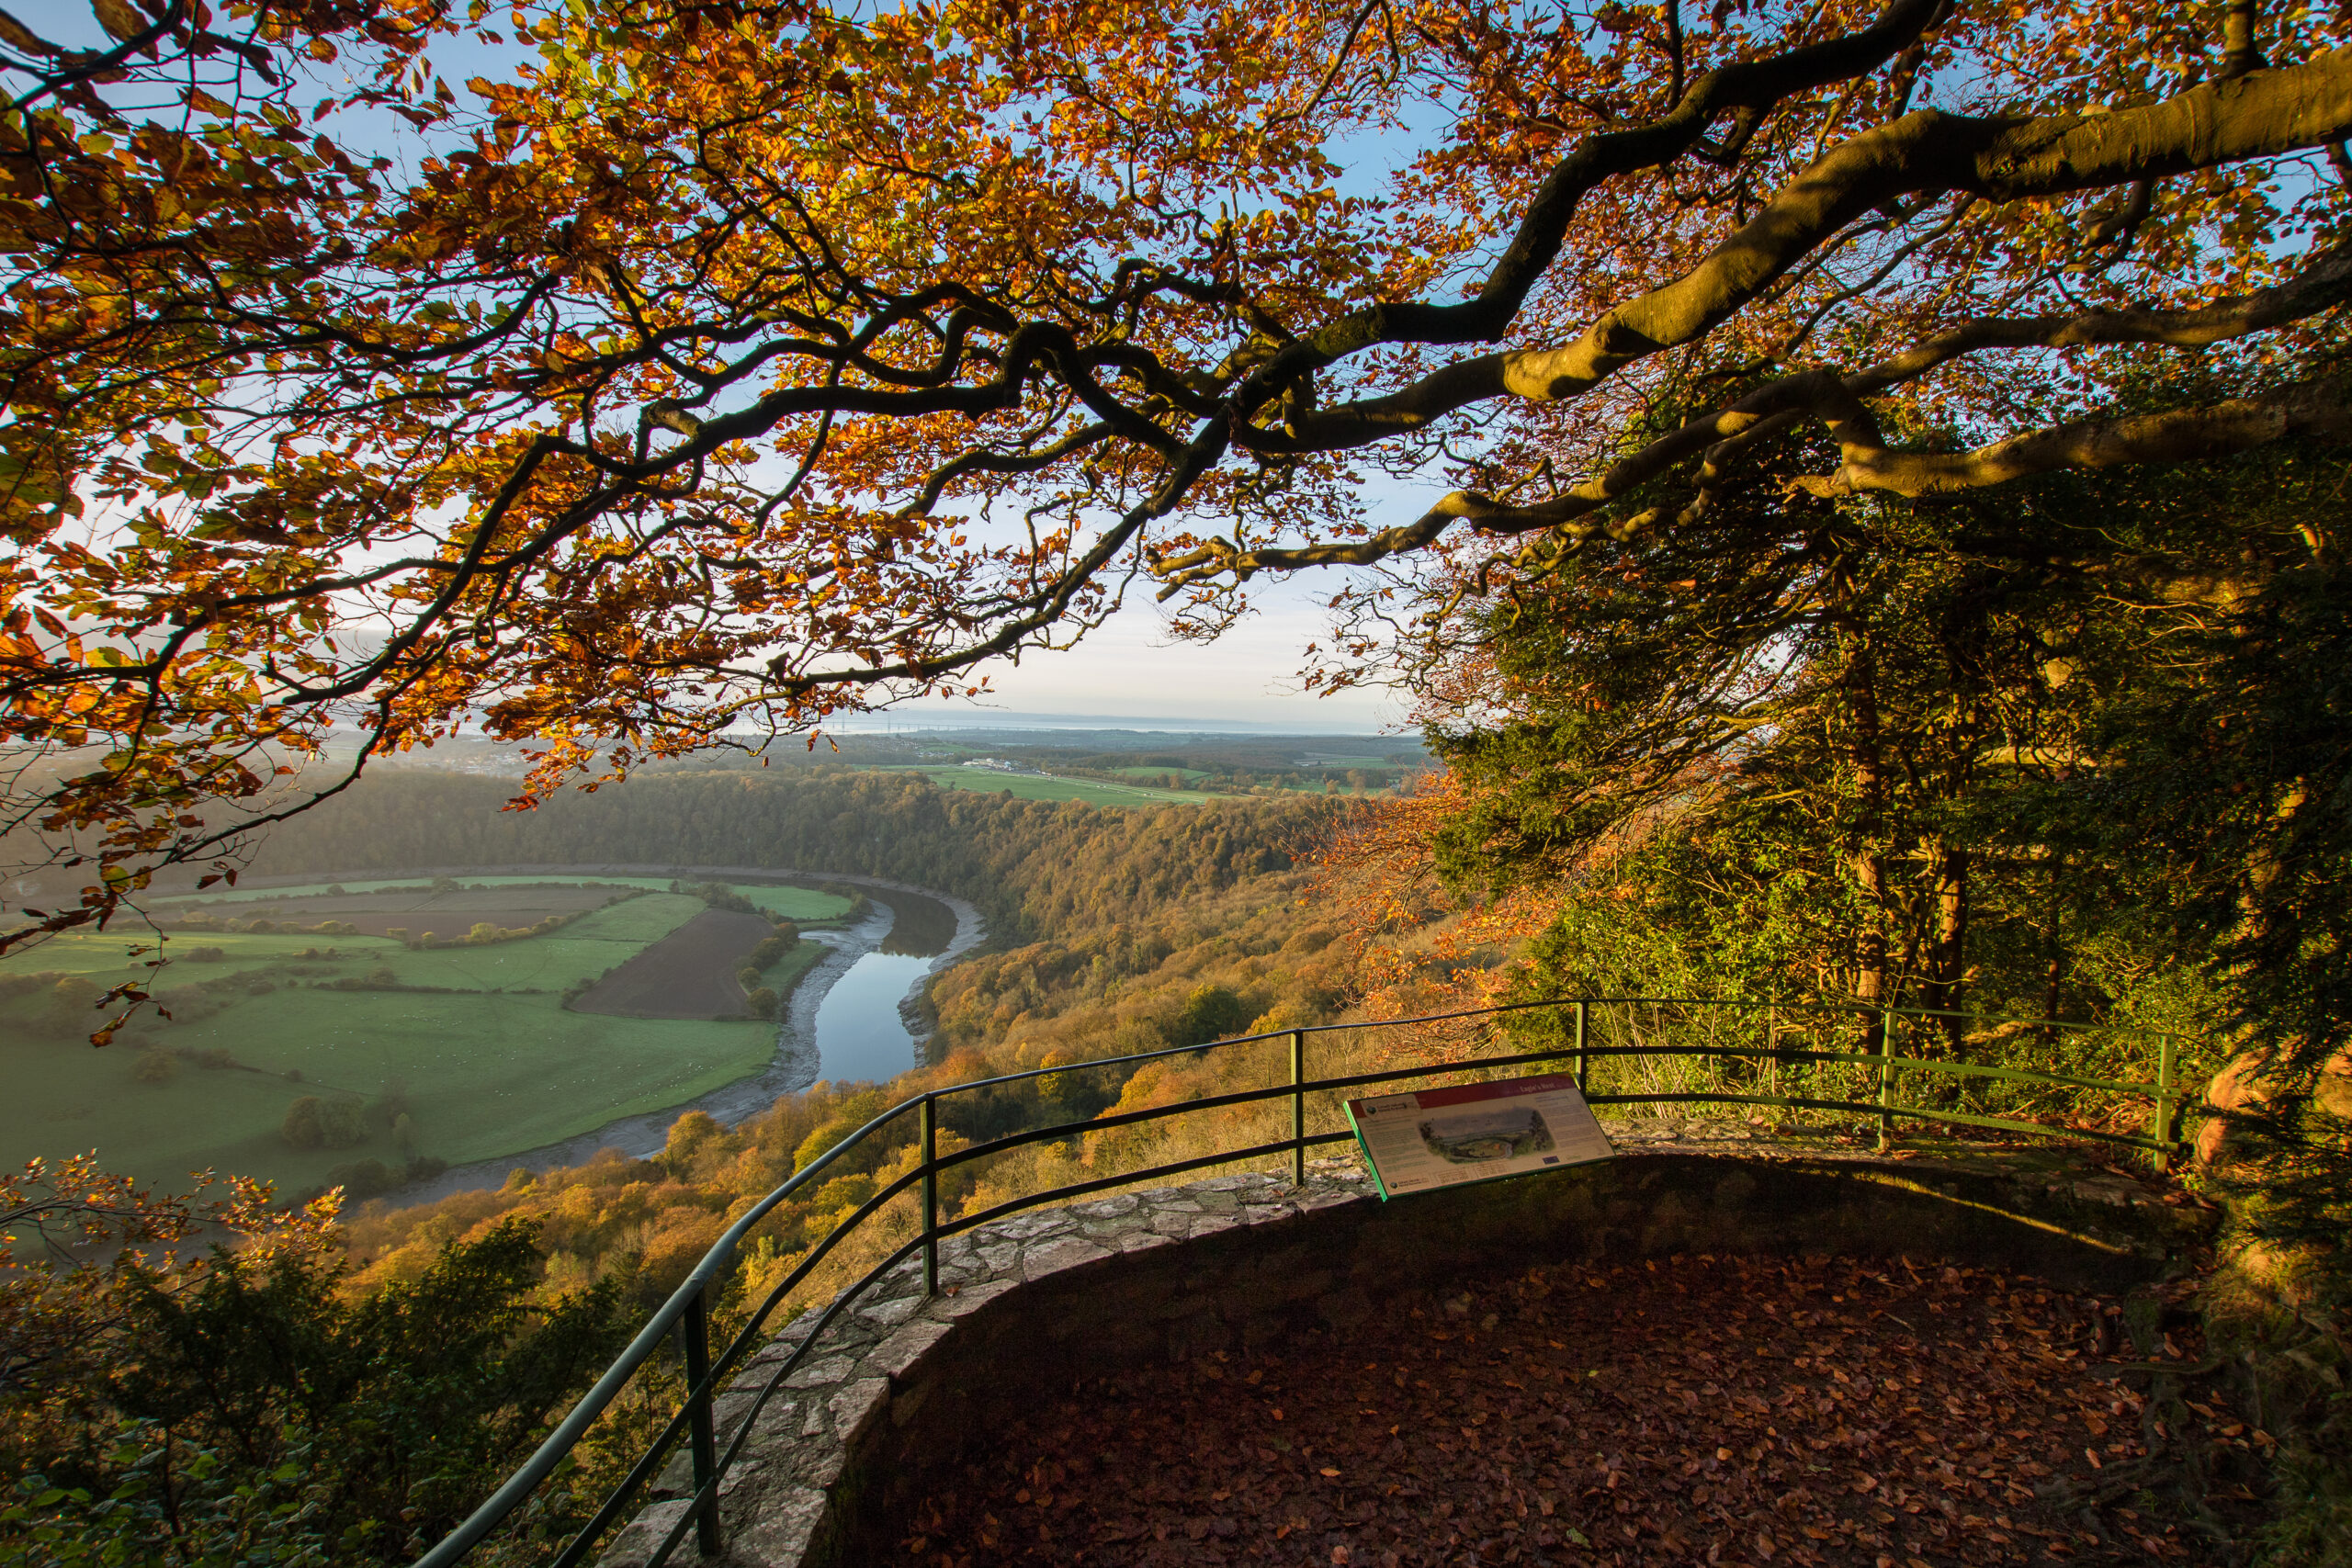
(1776, 1076)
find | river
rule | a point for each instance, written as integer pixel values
(852, 1017)
(860, 1032)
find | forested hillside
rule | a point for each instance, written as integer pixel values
(1117, 931)
(1033, 867)
(1114, 931)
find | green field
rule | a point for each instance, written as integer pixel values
(799, 962)
(485, 1059)
(1032, 786)
(1190, 775)
(798, 904)
(802, 904)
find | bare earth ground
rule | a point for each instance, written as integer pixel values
(688, 974)
(374, 914)
(1697, 1410)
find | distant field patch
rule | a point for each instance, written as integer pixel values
(1156, 775)
(1034, 786)
(415, 906)
(688, 974)
(805, 904)
(785, 977)
(470, 1043)
(480, 1074)
(409, 910)
(645, 920)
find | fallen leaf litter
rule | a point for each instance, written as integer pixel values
(1697, 1410)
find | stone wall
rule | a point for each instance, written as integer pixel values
(899, 1388)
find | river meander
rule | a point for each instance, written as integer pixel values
(846, 1022)
(860, 1027)
(854, 1016)
(860, 1031)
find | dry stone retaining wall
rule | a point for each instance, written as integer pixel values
(900, 1386)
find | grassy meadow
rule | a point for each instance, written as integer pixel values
(804, 904)
(1032, 786)
(471, 1043)
(1153, 775)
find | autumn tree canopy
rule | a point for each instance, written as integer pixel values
(732, 365)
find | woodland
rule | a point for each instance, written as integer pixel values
(167, 1412)
(714, 369)
(1222, 764)
(1030, 866)
(1854, 493)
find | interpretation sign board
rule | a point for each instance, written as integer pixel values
(1442, 1137)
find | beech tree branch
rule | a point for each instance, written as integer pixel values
(516, 409)
(1750, 87)
(1772, 410)
(2239, 52)
(1998, 159)
(1038, 611)
(2322, 408)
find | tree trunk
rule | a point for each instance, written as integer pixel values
(2054, 953)
(1866, 855)
(1948, 959)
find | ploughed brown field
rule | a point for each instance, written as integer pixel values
(1697, 1410)
(688, 974)
(448, 914)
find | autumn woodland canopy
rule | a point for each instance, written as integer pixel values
(1854, 491)
(707, 368)
(1896, 450)
(1879, 471)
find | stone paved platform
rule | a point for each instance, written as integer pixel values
(900, 1380)
(810, 1426)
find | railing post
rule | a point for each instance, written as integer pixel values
(2163, 1129)
(698, 1423)
(930, 1197)
(1583, 1079)
(1297, 1108)
(1885, 1084)
(1772, 1046)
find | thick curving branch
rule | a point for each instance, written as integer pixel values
(1037, 610)
(2322, 408)
(2325, 283)
(1773, 408)
(1749, 87)
(1997, 159)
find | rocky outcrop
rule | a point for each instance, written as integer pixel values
(2253, 1081)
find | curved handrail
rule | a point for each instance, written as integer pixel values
(559, 1442)
(687, 1307)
